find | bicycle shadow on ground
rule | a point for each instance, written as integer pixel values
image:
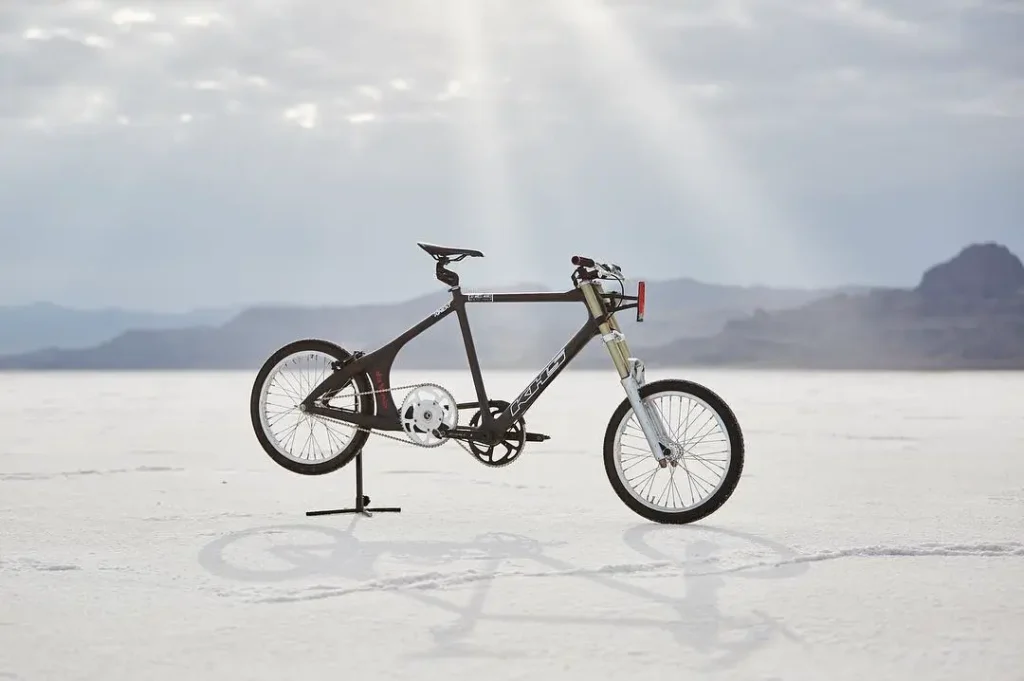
(301, 552)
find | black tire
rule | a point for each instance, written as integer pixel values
(732, 473)
(365, 406)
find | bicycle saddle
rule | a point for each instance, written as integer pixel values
(447, 252)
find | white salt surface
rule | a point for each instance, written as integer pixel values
(877, 533)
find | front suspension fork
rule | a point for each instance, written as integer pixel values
(631, 373)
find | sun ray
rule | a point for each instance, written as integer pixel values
(698, 163)
(494, 224)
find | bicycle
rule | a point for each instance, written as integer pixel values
(496, 433)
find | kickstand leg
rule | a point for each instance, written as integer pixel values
(362, 501)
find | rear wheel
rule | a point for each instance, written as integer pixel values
(708, 459)
(305, 443)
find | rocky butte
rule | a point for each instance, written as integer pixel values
(966, 313)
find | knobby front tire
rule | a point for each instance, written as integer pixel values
(706, 474)
(304, 443)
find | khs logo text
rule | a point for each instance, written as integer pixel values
(531, 390)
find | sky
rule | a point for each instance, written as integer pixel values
(174, 155)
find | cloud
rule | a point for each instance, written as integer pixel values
(383, 115)
(304, 115)
(261, 57)
(872, 18)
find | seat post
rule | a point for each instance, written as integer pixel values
(444, 275)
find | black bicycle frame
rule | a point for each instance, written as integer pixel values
(377, 365)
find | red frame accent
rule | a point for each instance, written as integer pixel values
(641, 299)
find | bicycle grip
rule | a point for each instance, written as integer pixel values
(581, 261)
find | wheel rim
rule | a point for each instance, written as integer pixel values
(296, 435)
(704, 455)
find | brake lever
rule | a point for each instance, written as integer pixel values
(613, 271)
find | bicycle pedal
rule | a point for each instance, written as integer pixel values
(537, 437)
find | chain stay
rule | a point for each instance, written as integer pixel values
(405, 440)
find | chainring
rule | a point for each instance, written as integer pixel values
(513, 441)
(428, 413)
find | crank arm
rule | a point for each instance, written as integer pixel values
(467, 434)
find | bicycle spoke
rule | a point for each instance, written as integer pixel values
(689, 423)
(298, 435)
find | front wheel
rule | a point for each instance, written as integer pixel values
(706, 463)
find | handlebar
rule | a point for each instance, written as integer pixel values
(603, 270)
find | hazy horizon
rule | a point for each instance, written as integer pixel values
(427, 288)
(173, 156)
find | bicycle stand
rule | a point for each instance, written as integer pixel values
(362, 501)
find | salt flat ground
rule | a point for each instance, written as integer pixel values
(878, 532)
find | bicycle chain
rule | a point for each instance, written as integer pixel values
(405, 440)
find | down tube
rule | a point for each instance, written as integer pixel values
(536, 388)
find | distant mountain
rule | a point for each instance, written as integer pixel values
(45, 325)
(966, 313)
(507, 335)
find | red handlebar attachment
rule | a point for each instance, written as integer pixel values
(581, 261)
(641, 300)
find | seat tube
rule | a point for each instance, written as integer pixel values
(471, 356)
(613, 338)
